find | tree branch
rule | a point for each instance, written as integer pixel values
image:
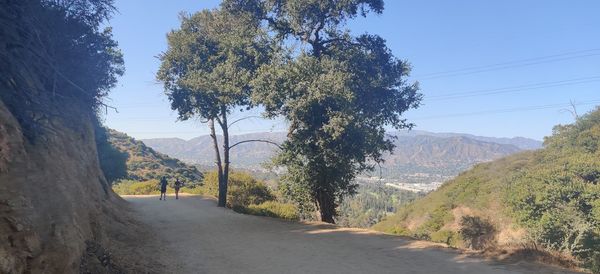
(244, 118)
(255, 140)
(219, 121)
(340, 39)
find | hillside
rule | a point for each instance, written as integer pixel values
(433, 156)
(144, 163)
(548, 197)
(57, 211)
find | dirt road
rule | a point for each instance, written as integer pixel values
(198, 237)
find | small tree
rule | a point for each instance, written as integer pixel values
(206, 73)
(338, 92)
(476, 232)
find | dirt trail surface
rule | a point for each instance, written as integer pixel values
(198, 237)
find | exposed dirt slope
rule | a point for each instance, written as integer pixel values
(56, 209)
(201, 238)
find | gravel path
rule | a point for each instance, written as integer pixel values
(198, 237)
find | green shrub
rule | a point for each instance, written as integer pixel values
(398, 230)
(437, 219)
(192, 190)
(477, 232)
(448, 237)
(271, 209)
(593, 263)
(136, 188)
(243, 190)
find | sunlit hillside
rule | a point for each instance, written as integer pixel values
(549, 197)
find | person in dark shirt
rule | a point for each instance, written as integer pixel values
(163, 189)
(177, 186)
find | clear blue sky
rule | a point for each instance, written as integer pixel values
(548, 51)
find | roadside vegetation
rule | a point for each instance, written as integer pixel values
(245, 195)
(546, 200)
(150, 187)
(372, 203)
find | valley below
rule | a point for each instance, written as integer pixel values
(421, 161)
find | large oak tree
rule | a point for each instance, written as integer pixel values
(207, 71)
(339, 93)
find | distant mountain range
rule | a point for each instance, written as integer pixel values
(199, 150)
(520, 142)
(420, 156)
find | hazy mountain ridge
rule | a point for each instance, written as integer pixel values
(416, 151)
(520, 142)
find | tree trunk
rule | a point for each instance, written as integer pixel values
(326, 204)
(222, 195)
(225, 181)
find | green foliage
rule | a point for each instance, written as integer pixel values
(553, 193)
(399, 230)
(250, 196)
(144, 163)
(113, 162)
(371, 204)
(449, 237)
(57, 61)
(136, 188)
(210, 61)
(338, 93)
(557, 199)
(132, 187)
(272, 209)
(244, 190)
(207, 69)
(478, 233)
(435, 221)
(593, 263)
(192, 190)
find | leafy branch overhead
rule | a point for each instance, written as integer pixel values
(210, 62)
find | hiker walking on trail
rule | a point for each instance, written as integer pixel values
(163, 188)
(177, 186)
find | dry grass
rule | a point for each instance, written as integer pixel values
(529, 253)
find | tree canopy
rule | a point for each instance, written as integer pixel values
(210, 61)
(55, 53)
(338, 92)
(207, 71)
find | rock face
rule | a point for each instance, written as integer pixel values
(53, 198)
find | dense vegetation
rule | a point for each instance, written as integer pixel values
(548, 198)
(113, 162)
(58, 61)
(250, 196)
(371, 204)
